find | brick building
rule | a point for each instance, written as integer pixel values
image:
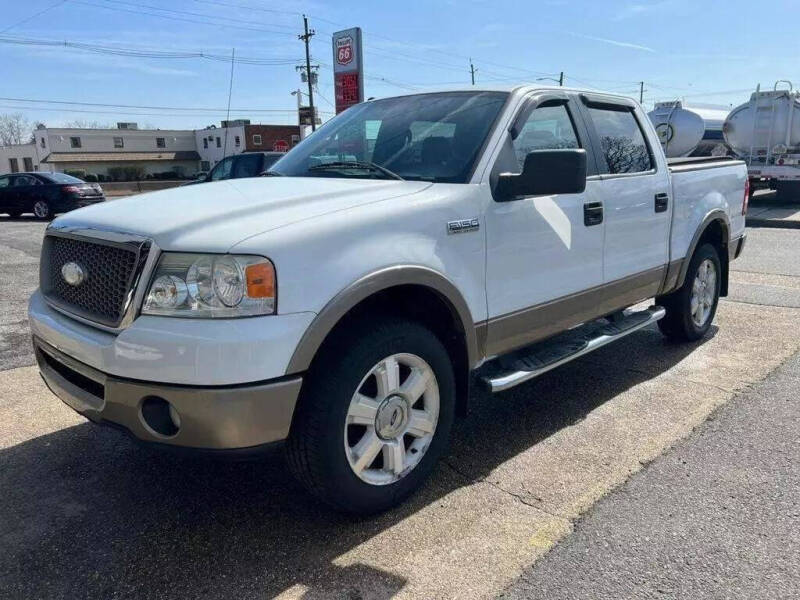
(271, 137)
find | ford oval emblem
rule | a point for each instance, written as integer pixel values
(73, 274)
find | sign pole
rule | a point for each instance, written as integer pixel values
(348, 68)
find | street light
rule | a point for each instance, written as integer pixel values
(558, 81)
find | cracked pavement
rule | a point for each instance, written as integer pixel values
(85, 512)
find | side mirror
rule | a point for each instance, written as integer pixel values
(545, 172)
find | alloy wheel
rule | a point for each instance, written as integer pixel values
(41, 209)
(704, 289)
(391, 419)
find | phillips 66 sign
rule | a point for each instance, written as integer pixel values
(348, 68)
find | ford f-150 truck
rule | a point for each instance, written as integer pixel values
(412, 250)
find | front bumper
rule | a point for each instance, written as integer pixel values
(210, 418)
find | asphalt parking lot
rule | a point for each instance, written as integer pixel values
(85, 512)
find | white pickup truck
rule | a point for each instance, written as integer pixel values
(411, 249)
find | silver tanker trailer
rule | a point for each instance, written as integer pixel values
(689, 131)
(765, 132)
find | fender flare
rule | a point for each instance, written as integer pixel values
(716, 214)
(370, 284)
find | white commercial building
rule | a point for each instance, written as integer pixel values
(139, 153)
(19, 157)
(215, 143)
(95, 151)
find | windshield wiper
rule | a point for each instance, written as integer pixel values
(355, 164)
(271, 174)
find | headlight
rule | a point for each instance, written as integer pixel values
(211, 286)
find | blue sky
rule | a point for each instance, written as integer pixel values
(709, 51)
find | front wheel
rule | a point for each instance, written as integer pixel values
(374, 417)
(691, 309)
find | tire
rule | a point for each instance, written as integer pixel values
(323, 450)
(787, 191)
(42, 210)
(14, 214)
(681, 323)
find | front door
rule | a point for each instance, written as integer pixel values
(541, 251)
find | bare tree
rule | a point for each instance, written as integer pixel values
(15, 129)
(83, 124)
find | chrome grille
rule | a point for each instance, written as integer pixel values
(110, 267)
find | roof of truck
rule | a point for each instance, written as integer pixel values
(519, 88)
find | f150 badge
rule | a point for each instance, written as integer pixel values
(463, 226)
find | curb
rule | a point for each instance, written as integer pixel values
(772, 223)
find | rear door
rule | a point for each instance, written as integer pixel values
(634, 189)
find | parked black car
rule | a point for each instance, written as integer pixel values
(247, 164)
(45, 194)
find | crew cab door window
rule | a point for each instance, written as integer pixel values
(548, 128)
(621, 141)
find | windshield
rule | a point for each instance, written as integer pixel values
(426, 137)
(61, 178)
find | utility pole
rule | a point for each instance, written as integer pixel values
(472, 71)
(306, 37)
(561, 79)
(641, 92)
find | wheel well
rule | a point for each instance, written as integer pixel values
(426, 306)
(716, 234)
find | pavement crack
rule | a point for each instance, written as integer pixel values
(516, 495)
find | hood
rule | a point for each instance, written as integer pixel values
(213, 217)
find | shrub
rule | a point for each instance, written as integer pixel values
(133, 173)
(79, 173)
(91, 178)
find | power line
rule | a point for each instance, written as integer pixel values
(289, 113)
(194, 14)
(182, 19)
(143, 107)
(32, 17)
(143, 52)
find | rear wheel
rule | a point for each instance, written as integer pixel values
(787, 191)
(691, 309)
(14, 214)
(42, 210)
(374, 417)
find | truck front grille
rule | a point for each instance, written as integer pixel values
(109, 271)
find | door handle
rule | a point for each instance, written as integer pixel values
(662, 202)
(592, 213)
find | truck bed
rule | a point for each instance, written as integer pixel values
(703, 162)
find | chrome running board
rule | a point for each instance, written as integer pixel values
(542, 357)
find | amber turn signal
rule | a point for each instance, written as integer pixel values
(260, 280)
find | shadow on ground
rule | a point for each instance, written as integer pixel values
(85, 512)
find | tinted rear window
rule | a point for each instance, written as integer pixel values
(60, 178)
(622, 141)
